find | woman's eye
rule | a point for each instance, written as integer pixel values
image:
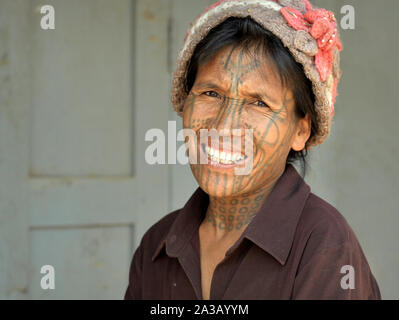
(261, 104)
(211, 94)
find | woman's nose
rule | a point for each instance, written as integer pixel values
(228, 117)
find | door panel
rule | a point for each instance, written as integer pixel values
(89, 261)
(81, 90)
(79, 194)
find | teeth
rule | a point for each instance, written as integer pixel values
(223, 157)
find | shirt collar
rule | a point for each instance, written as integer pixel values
(186, 223)
(272, 229)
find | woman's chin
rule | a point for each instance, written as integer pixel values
(217, 184)
(218, 192)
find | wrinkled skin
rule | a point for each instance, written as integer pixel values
(223, 98)
(236, 91)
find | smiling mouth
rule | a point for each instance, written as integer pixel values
(223, 158)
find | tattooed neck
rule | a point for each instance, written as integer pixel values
(234, 214)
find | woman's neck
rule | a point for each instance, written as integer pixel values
(229, 216)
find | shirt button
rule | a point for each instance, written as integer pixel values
(172, 238)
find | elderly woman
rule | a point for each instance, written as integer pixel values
(271, 68)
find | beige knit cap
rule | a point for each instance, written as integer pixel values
(308, 32)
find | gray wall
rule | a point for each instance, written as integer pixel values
(357, 167)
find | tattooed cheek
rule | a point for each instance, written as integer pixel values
(250, 125)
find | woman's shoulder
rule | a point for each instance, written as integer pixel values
(325, 227)
(323, 230)
(159, 230)
(329, 250)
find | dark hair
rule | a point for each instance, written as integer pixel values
(248, 34)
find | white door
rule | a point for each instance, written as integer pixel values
(75, 103)
(182, 13)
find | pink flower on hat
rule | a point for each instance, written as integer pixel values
(321, 25)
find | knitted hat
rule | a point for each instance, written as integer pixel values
(310, 34)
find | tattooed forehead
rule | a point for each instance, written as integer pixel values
(239, 71)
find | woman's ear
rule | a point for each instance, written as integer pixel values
(302, 133)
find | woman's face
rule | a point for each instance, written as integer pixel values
(237, 91)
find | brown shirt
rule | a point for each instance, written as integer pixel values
(295, 248)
